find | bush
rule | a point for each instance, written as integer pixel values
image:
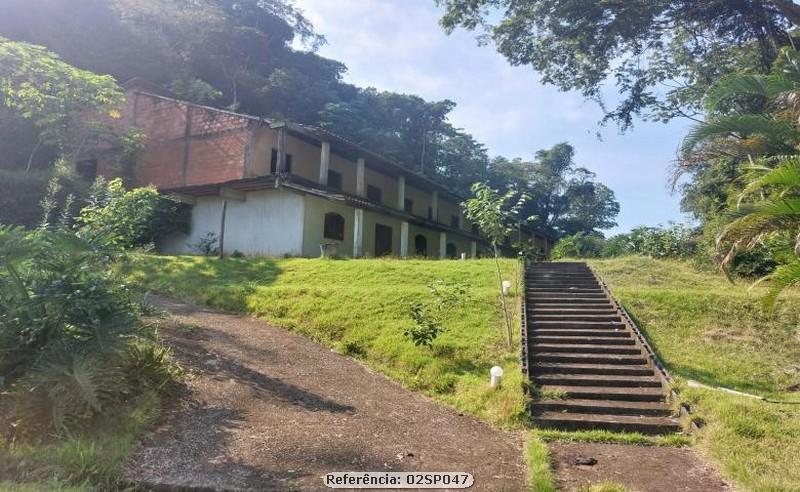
(578, 245)
(675, 241)
(70, 330)
(130, 218)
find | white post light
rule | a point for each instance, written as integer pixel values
(496, 374)
(463, 256)
(506, 287)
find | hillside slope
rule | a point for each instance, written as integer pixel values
(709, 330)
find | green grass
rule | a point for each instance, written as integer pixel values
(540, 473)
(89, 461)
(601, 436)
(360, 308)
(709, 330)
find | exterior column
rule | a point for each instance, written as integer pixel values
(361, 189)
(324, 162)
(282, 149)
(435, 206)
(473, 249)
(442, 245)
(403, 239)
(358, 233)
(401, 192)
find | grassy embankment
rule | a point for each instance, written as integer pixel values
(360, 308)
(714, 332)
(703, 328)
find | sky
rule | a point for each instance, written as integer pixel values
(397, 45)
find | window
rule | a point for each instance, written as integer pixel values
(451, 250)
(421, 245)
(273, 162)
(455, 221)
(374, 194)
(475, 229)
(334, 180)
(87, 169)
(430, 213)
(408, 206)
(334, 226)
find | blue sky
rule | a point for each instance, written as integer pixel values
(398, 45)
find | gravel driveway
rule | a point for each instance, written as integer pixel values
(271, 410)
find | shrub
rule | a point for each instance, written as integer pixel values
(578, 245)
(130, 218)
(428, 317)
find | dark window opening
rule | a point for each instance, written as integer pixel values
(455, 221)
(475, 229)
(383, 240)
(430, 213)
(87, 169)
(334, 180)
(334, 226)
(273, 162)
(374, 194)
(408, 205)
(420, 245)
(451, 250)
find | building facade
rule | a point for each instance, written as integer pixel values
(265, 187)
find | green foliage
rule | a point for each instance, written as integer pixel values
(641, 46)
(540, 472)
(207, 245)
(429, 317)
(578, 245)
(673, 241)
(130, 218)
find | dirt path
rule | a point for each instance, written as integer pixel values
(639, 468)
(271, 410)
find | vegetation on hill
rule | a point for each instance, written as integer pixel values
(706, 329)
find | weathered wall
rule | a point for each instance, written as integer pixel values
(313, 234)
(268, 223)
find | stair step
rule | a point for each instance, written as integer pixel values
(607, 407)
(591, 290)
(578, 368)
(577, 317)
(609, 393)
(593, 340)
(585, 349)
(568, 300)
(579, 333)
(588, 358)
(571, 309)
(598, 380)
(617, 423)
(589, 325)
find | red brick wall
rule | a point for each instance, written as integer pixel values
(217, 142)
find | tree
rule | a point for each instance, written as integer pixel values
(37, 86)
(662, 55)
(497, 216)
(568, 199)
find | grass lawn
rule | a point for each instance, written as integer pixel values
(714, 332)
(360, 308)
(89, 461)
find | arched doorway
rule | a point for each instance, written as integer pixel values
(420, 245)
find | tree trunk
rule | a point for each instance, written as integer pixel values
(509, 328)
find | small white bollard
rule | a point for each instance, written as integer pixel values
(496, 373)
(506, 287)
(463, 256)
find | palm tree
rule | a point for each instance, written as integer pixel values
(757, 118)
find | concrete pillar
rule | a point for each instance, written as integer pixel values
(473, 249)
(324, 162)
(358, 233)
(401, 192)
(361, 188)
(442, 245)
(403, 239)
(435, 206)
(282, 149)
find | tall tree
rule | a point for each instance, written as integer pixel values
(662, 55)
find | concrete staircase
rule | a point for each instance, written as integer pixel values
(579, 346)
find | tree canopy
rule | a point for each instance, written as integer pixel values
(661, 55)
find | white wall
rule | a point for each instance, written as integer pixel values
(268, 223)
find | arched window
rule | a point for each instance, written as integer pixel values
(421, 245)
(334, 226)
(451, 250)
